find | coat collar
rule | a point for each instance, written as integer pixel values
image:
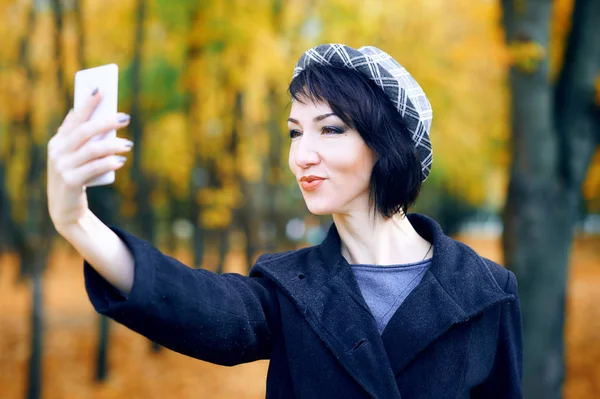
(457, 286)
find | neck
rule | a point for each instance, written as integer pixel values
(380, 241)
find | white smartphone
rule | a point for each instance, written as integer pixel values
(106, 79)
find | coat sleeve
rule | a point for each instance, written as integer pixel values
(504, 380)
(225, 319)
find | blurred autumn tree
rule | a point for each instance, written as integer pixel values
(206, 85)
(555, 133)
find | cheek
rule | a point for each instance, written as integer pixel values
(354, 162)
(292, 161)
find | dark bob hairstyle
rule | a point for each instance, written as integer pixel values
(363, 106)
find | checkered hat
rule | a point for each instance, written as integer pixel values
(401, 88)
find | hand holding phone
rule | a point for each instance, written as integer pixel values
(85, 150)
(105, 78)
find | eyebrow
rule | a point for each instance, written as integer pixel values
(315, 119)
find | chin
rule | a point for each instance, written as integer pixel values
(320, 212)
(319, 209)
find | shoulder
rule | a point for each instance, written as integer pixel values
(505, 279)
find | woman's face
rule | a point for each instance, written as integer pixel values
(331, 162)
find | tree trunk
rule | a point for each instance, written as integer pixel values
(552, 143)
(249, 228)
(274, 167)
(197, 175)
(33, 248)
(223, 237)
(143, 216)
(198, 235)
(247, 214)
(57, 10)
(80, 29)
(273, 172)
(34, 260)
(172, 215)
(34, 388)
(197, 182)
(103, 348)
(7, 224)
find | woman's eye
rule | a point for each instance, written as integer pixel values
(294, 133)
(325, 129)
(332, 130)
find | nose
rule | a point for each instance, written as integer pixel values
(306, 153)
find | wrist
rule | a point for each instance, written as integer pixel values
(74, 232)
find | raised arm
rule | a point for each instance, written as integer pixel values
(225, 319)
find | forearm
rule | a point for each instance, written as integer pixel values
(103, 250)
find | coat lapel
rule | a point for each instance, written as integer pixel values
(457, 287)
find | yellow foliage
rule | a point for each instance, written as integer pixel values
(560, 25)
(461, 65)
(228, 196)
(249, 167)
(455, 50)
(15, 83)
(110, 38)
(216, 217)
(168, 153)
(526, 55)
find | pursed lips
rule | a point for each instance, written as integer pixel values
(310, 183)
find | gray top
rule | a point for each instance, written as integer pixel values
(384, 288)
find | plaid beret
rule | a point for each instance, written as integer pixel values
(399, 86)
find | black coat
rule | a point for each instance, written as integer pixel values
(457, 335)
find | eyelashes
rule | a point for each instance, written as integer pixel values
(333, 130)
(325, 130)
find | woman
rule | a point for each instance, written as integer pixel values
(387, 306)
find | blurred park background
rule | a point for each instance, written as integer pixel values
(515, 89)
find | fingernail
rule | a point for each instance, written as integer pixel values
(95, 91)
(128, 143)
(124, 118)
(121, 159)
